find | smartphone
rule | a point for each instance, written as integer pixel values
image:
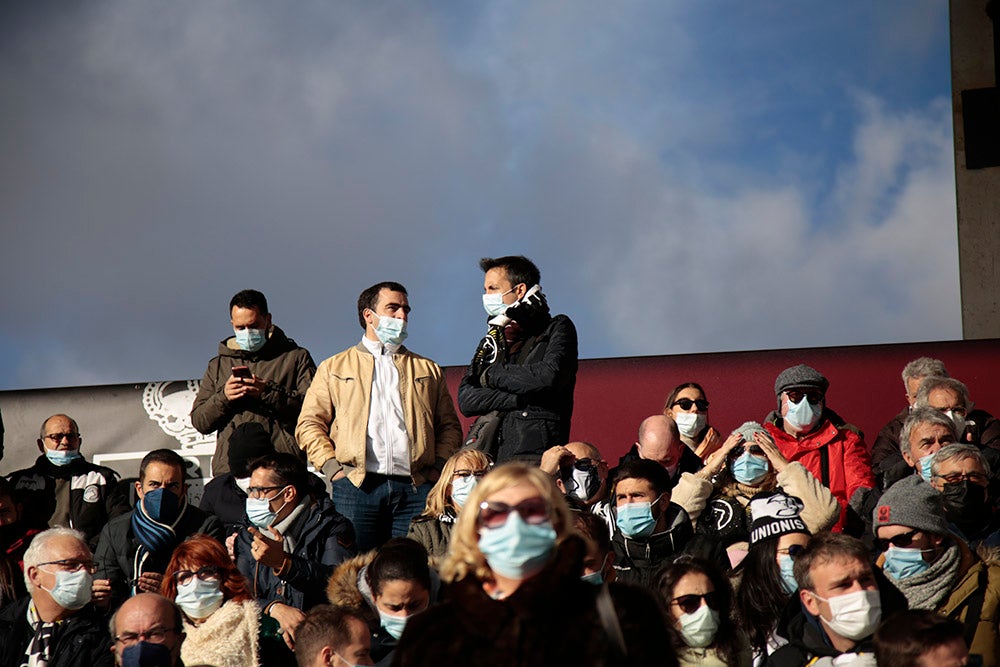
(242, 372)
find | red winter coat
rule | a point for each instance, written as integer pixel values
(849, 466)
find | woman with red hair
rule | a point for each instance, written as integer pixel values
(222, 620)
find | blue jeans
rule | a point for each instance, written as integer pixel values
(381, 508)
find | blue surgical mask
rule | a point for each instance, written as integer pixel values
(904, 562)
(517, 549)
(749, 469)
(493, 303)
(803, 416)
(596, 578)
(60, 457)
(925, 466)
(199, 599)
(391, 330)
(146, 654)
(636, 519)
(394, 625)
(250, 340)
(161, 505)
(72, 589)
(785, 568)
(461, 487)
(259, 511)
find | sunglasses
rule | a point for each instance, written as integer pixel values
(582, 464)
(793, 550)
(686, 403)
(795, 396)
(899, 541)
(690, 603)
(478, 474)
(493, 514)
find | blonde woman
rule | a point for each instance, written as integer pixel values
(516, 595)
(459, 476)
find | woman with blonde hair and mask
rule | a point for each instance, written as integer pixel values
(459, 476)
(516, 597)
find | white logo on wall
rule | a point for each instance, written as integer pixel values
(169, 405)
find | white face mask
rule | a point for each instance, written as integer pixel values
(803, 416)
(690, 424)
(853, 615)
(390, 330)
(699, 627)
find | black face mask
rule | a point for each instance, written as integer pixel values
(965, 503)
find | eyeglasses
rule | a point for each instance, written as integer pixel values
(258, 492)
(206, 573)
(155, 636)
(70, 565)
(493, 514)
(686, 403)
(690, 603)
(956, 477)
(814, 396)
(478, 474)
(793, 550)
(58, 437)
(899, 541)
(584, 464)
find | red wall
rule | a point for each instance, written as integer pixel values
(866, 389)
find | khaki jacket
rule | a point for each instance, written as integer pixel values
(333, 423)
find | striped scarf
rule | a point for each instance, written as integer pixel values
(156, 540)
(37, 654)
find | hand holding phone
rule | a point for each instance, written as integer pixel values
(242, 372)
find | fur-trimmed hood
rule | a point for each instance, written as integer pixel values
(348, 586)
(345, 586)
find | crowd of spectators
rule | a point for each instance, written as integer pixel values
(785, 542)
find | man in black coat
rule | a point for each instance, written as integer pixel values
(294, 541)
(524, 368)
(56, 624)
(63, 488)
(134, 549)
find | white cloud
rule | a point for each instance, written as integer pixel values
(761, 268)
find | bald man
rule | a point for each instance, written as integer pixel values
(660, 441)
(579, 470)
(147, 630)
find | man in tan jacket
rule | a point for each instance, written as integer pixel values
(379, 422)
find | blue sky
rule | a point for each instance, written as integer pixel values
(689, 176)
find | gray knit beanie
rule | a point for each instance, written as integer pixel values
(801, 376)
(913, 503)
(749, 428)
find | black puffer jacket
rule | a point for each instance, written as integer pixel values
(288, 370)
(82, 640)
(534, 391)
(637, 560)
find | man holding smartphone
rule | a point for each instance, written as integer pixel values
(260, 375)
